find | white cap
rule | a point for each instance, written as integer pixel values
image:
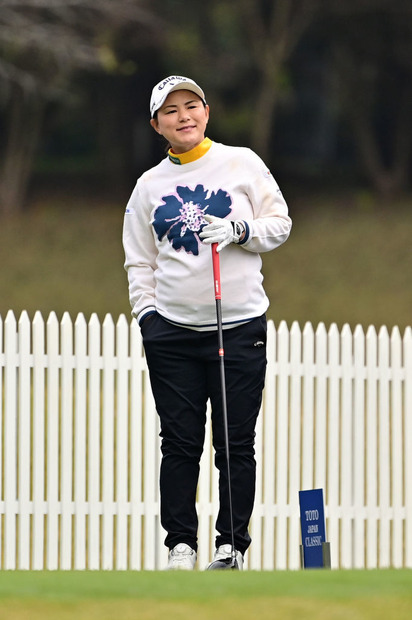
(169, 84)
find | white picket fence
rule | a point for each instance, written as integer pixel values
(79, 454)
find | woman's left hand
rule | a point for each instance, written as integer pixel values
(222, 231)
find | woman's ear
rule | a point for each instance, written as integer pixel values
(155, 124)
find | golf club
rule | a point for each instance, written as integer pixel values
(231, 562)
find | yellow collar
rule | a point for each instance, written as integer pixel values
(196, 153)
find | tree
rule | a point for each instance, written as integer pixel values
(42, 43)
(240, 50)
(372, 50)
(273, 30)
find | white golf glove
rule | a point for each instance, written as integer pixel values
(221, 231)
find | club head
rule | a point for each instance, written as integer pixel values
(225, 564)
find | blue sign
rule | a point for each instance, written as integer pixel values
(312, 522)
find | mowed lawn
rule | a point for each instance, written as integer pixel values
(345, 262)
(286, 595)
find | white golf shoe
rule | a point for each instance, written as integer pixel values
(181, 557)
(224, 552)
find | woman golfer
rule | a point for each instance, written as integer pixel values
(202, 193)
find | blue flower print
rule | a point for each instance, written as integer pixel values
(180, 217)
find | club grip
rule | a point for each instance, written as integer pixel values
(216, 271)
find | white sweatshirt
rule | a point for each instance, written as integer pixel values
(169, 268)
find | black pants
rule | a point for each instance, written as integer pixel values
(184, 372)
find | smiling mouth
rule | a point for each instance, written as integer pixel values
(186, 128)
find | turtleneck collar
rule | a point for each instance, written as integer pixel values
(192, 155)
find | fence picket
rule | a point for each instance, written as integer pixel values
(396, 467)
(384, 447)
(94, 434)
(24, 447)
(320, 455)
(372, 447)
(407, 445)
(66, 438)
(308, 414)
(282, 444)
(108, 444)
(294, 464)
(80, 372)
(346, 432)
(10, 431)
(334, 455)
(52, 542)
(358, 475)
(39, 367)
(122, 448)
(80, 450)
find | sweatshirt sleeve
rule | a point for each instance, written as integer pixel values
(271, 224)
(140, 255)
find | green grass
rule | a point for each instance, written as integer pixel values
(287, 595)
(346, 261)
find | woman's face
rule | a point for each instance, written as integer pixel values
(182, 120)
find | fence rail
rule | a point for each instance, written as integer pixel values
(79, 449)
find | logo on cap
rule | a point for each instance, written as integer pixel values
(170, 81)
